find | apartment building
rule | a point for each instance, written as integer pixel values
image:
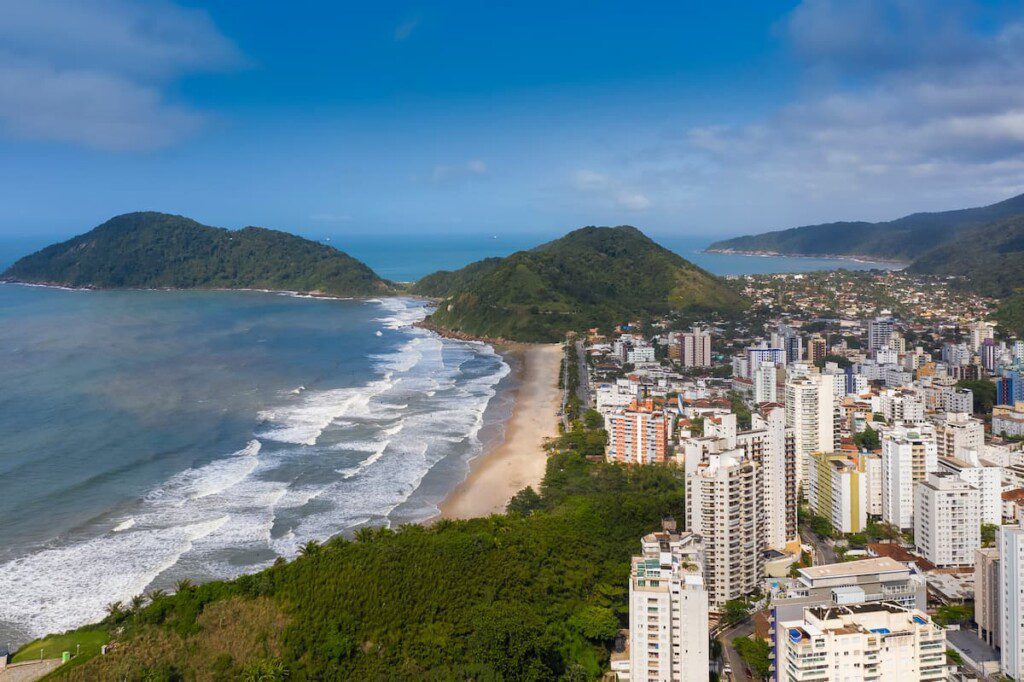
(1008, 419)
(957, 432)
(837, 490)
(812, 413)
(860, 642)
(909, 454)
(695, 348)
(984, 476)
(1011, 601)
(986, 594)
(639, 434)
(772, 445)
(668, 610)
(947, 521)
(724, 506)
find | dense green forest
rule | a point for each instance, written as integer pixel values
(157, 250)
(592, 277)
(900, 239)
(536, 594)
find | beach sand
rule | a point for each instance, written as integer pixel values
(519, 460)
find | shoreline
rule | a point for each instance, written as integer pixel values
(519, 459)
(777, 254)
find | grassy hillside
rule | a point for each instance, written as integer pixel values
(156, 250)
(592, 277)
(899, 239)
(535, 595)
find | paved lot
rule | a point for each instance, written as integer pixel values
(29, 672)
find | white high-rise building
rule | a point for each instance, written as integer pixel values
(771, 444)
(909, 454)
(874, 641)
(981, 331)
(764, 378)
(880, 331)
(668, 610)
(724, 505)
(986, 477)
(959, 432)
(1011, 601)
(811, 413)
(696, 348)
(872, 465)
(900, 405)
(947, 524)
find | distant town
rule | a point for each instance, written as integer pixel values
(852, 453)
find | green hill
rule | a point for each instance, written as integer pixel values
(158, 250)
(987, 259)
(901, 239)
(592, 277)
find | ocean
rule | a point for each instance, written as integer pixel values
(148, 436)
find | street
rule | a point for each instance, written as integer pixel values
(583, 390)
(731, 656)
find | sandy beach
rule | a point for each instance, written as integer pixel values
(519, 460)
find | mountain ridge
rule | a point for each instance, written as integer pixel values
(897, 240)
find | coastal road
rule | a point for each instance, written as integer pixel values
(583, 391)
(730, 654)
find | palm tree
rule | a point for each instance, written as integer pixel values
(136, 603)
(183, 585)
(309, 548)
(365, 534)
(115, 609)
(156, 594)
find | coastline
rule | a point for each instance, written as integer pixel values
(821, 256)
(519, 460)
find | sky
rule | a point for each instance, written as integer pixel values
(683, 118)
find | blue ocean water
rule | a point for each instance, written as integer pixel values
(147, 436)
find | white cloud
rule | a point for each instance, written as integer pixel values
(447, 174)
(94, 72)
(609, 190)
(905, 106)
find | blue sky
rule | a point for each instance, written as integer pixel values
(333, 118)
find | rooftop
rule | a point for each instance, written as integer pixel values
(853, 568)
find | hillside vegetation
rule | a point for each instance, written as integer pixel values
(901, 239)
(592, 277)
(988, 259)
(158, 250)
(537, 594)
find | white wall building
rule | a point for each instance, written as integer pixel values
(811, 413)
(987, 478)
(764, 379)
(947, 524)
(696, 348)
(1011, 601)
(668, 610)
(772, 445)
(879, 641)
(909, 454)
(957, 432)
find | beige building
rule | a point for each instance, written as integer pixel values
(871, 642)
(724, 506)
(668, 610)
(959, 432)
(986, 594)
(837, 490)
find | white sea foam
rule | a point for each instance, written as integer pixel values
(427, 403)
(124, 525)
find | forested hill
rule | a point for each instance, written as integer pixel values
(158, 250)
(592, 277)
(901, 239)
(987, 259)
